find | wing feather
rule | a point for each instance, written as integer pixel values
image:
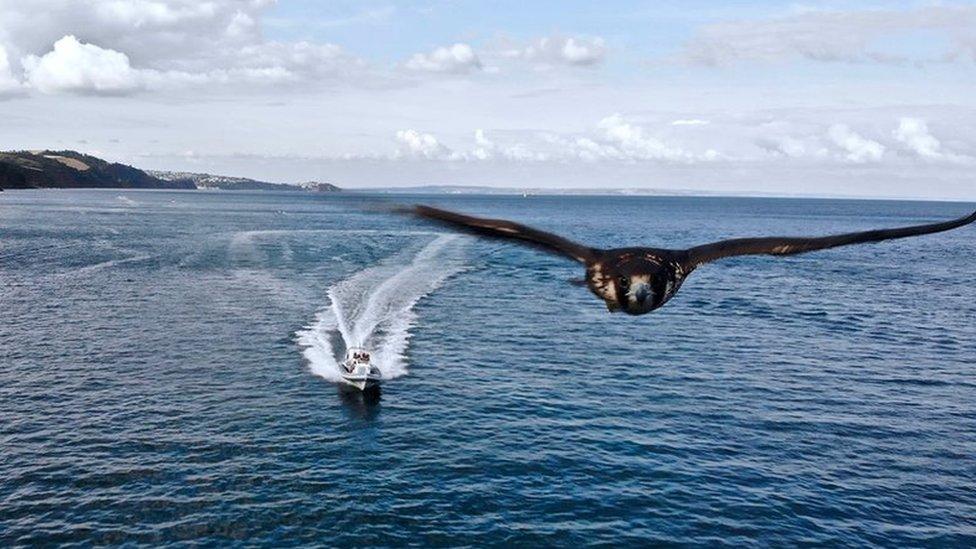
(796, 245)
(499, 228)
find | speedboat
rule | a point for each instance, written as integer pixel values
(358, 371)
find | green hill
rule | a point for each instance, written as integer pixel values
(72, 170)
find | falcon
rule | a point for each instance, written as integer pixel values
(639, 280)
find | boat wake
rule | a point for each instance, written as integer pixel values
(374, 309)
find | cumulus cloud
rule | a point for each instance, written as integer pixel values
(589, 150)
(78, 67)
(855, 147)
(164, 43)
(8, 82)
(613, 139)
(74, 66)
(419, 145)
(560, 50)
(487, 149)
(458, 58)
(158, 34)
(412, 144)
(829, 36)
(914, 134)
(628, 142)
(617, 139)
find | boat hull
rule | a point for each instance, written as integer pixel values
(361, 382)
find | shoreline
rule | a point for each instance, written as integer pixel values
(511, 192)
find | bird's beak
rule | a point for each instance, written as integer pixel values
(640, 292)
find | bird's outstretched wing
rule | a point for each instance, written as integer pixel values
(792, 245)
(500, 228)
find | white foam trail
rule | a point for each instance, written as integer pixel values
(111, 263)
(374, 309)
(88, 269)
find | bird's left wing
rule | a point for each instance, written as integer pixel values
(794, 245)
(500, 228)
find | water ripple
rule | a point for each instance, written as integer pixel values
(152, 391)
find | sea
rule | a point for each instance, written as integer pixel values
(169, 376)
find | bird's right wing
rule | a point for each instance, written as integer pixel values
(798, 245)
(499, 228)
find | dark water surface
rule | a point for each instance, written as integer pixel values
(165, 366)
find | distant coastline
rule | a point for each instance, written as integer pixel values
(624, 192)
(45, 169)
(48, 169)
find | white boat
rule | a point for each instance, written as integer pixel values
(357, 369)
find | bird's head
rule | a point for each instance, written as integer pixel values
(627, 283)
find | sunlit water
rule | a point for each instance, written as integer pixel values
(168, 374)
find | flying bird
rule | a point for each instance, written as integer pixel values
(639, 280)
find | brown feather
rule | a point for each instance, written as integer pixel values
(798, 245)
(499, 228)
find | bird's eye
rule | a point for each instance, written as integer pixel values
(624, 281)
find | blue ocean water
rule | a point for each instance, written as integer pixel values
(167, 367)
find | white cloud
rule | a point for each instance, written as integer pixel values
(614, 140)
(414, 144)
(156, 34)
(165, 43)
(856, 148)
(561, 50)
(628, 142)
(487, 149)
(150, 13)
(588, 150)
(209, 81)
(302, 59)
(8, 82)
(74, 66)
(577, 51)
(241, 25)
(914, 134)
(78, 67)
(831, 36)
(458, 58)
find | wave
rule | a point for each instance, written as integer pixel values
(374, 309)
(248, 247)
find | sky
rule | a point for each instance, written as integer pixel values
(872, 99)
